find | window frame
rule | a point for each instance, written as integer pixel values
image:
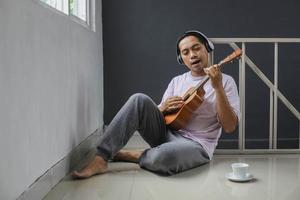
(90, 13)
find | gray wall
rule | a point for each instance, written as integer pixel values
(139, 54)
(51, 74)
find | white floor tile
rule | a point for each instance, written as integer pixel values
(276, 177)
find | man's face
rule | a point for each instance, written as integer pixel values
(194, 55)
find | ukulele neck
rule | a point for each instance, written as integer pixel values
(236, 54)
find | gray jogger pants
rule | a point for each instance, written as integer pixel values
(170, 153)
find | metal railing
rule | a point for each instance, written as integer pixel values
(275, 94)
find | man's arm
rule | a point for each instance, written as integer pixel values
(226, 115)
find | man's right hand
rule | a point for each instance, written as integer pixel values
(171, 105)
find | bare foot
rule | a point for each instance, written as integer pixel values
(96, 166)
(131, 156)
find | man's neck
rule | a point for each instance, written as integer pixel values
(202, 73)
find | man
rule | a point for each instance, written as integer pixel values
(172, 151)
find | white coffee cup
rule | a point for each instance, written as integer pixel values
(240, 170)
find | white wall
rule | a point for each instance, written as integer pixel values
(51, 77)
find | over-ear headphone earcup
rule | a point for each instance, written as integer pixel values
(208, 48)
(179, 59)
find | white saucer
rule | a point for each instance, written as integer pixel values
(230, 176)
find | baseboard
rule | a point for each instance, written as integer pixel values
(262, 143)
(56, 173)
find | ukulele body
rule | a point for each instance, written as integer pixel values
(179, 119)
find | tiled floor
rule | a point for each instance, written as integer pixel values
(276, 177)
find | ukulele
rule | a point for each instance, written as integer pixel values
(193, 98)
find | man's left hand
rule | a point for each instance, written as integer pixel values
(215, 76)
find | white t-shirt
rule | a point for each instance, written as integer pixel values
(204, 126)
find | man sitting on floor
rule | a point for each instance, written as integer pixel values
(172, 151)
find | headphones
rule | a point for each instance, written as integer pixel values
(207, 43)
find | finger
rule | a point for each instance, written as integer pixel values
(180, 101)
(206, 70)
(213, 67)
(216, 66)
(176, 104)
(174, 108)
(177, 100)
(209, 69)
(215, 71)
(174, 98)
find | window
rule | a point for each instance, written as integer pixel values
(76, 8)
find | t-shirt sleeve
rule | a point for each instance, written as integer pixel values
(168, 93)
(233, 96)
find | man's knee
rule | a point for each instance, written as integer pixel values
(141, 98)
(169, 161)
(165, 163)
